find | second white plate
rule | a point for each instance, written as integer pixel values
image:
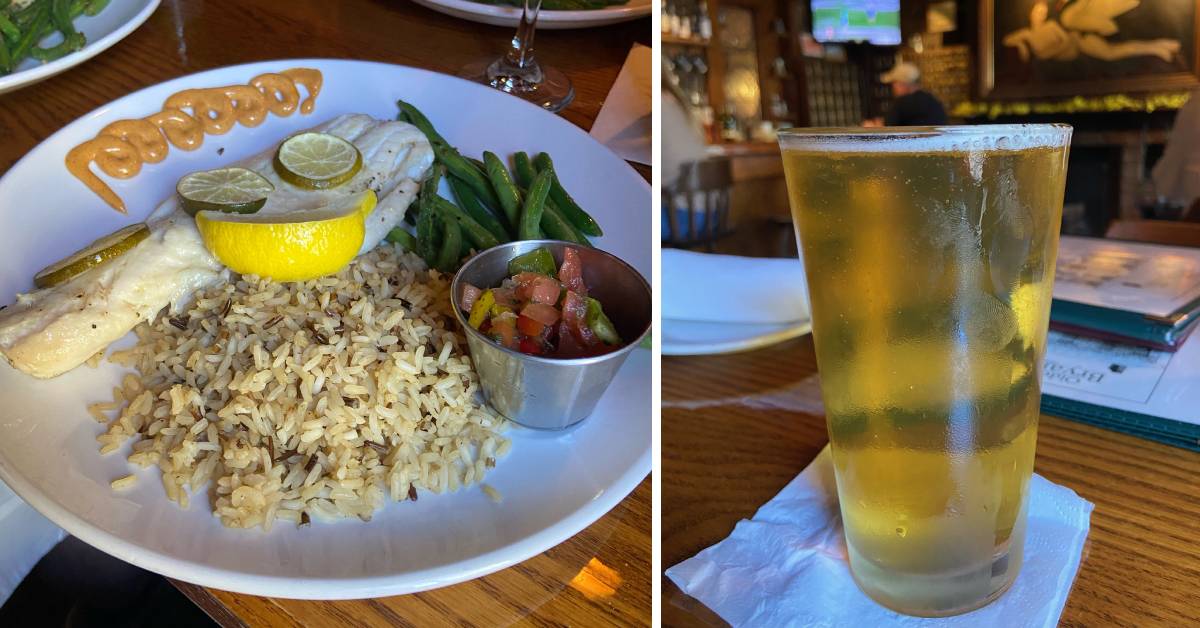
(703, 338)
(114, 23)
(500, 15)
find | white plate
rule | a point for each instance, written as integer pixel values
(552, 20)
(701, 338)
(112, 24)
(554, 484)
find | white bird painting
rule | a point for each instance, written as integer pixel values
(1082, 28)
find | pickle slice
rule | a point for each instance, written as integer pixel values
(228, 190)
(109, 247)
(317, 161)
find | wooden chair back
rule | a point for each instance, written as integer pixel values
(696, 208)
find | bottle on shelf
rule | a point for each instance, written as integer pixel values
(668, 9)
(704, 30)
(685, 21)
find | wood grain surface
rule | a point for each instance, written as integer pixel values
(599, 577)
(737, 428)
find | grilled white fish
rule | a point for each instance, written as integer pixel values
(50, 331)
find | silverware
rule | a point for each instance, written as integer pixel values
(553, 393)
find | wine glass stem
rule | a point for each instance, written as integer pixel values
(520, 53)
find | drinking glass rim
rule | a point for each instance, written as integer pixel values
(946, 137)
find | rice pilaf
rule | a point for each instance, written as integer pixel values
(312, 398)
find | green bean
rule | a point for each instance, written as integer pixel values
(553, 222)
(402, 237)
(426, 231)
(471, 205)
(32, 34)
(502, 183)
(462, 169)
(523, 168)
(63, 48)
(429, 187)
(60, 12)
(94, 7)
(8, 29)
(414, 117)
(474, 232)
(447, 258)
(558, 227)
(427, 218)
(478, 164)
(535, 205)
(5, 61)
(576, 214)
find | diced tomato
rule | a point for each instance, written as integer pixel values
(530, 346)
(544, 314)
(570, 273)
(504, 297)
(469, 294)
(575, 317)
(568, 346)
(504, 329)
(546, 291)
(536, 288)
(529, 326)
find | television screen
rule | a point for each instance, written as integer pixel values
(874, 21)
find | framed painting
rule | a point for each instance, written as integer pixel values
(1048, 48)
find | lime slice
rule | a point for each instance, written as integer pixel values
(110, 246)
(229, 190)
(317, 161)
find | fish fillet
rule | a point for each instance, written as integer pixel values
(50, 331)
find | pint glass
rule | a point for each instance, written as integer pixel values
(930, 258)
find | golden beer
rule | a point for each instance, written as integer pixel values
(930, 262)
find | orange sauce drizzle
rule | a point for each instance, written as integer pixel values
(120, 149)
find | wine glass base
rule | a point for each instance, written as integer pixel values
(552, 93)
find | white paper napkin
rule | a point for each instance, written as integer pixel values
(25, 536)
(626, 121)
(732, 289)
(787, 566)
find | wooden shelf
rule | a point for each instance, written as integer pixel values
(671, 40)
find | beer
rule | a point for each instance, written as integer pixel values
(930, 262)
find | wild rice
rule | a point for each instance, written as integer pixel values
(300, 399)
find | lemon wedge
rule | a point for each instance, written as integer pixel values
(317, 161)
(296, 246)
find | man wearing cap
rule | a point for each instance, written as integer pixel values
(911, 105)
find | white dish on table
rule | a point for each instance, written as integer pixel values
(553, 484)
(681, 337)
(114, 23)
(503, 15)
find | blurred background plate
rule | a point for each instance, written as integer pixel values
(704, 338)
(554, 484)
(553, 20)
(117, 20)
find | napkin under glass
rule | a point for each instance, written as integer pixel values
(787, 566)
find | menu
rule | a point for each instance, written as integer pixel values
(1148, 279)
(1128, 379)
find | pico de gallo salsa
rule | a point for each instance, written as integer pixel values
(542, 309)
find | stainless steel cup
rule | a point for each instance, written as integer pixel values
(553, 393)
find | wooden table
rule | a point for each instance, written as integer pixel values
(737, 428)
(601, 576)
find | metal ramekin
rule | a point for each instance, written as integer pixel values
(553, 393)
